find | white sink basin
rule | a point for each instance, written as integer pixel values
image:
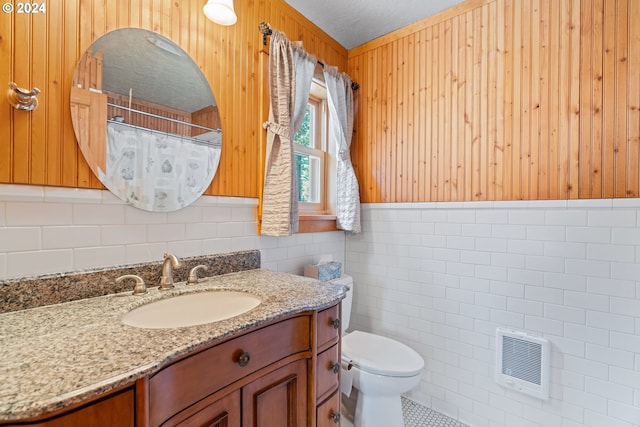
(191, 309)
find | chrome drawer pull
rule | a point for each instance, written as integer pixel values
(335, 368)
(244, 359)
(335, 417)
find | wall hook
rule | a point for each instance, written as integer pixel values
(22, 99)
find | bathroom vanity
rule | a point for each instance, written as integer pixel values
(77, 364)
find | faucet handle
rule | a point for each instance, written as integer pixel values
(193, 274)
(140, 288)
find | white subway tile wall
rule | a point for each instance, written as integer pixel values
(442, 277)
(47, 230)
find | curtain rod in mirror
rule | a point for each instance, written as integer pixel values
(144, 113)
(266, 31)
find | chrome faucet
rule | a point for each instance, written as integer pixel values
(170, 262)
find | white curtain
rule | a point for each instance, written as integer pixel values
(290, 74)
(341, 110)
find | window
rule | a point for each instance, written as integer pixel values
(313, 156)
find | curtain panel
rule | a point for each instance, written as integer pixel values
(341, 114)
(290, 74)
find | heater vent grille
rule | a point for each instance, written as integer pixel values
(522, 359)
(522, 363)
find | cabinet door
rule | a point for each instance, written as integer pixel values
(224, 412)
(278, 399)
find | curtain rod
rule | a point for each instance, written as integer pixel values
(180, 122)
(266, 31)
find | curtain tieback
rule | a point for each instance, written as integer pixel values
(278, 129)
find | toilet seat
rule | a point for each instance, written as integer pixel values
(381, 355)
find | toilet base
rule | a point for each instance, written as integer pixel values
(378, 411)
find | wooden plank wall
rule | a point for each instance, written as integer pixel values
(42, 50)
(502, 100)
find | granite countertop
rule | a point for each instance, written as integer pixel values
(60, 354)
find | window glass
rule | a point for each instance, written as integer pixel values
(308, 173)
(314, 165)
(305, 135)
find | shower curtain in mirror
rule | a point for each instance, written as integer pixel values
(157, 171)
(290, 73)
(341, 112)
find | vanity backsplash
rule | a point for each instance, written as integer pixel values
(24, 293)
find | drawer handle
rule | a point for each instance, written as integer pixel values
(335, 417)
(335, 368)
(244, 359)
(336, 324)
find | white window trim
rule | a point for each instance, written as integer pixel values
(326, 153)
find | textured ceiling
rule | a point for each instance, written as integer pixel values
(354, 22)
(154, 68)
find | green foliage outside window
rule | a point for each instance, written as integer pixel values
(303, 167)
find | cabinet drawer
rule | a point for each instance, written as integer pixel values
(328, 414)
(189, 380)
(329, 326)
(328, 371)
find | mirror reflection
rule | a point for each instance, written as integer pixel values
(146, 120)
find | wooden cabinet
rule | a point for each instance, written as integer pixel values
(278, 399)
(187, 381)
(328, 412)
(277, 375)
(222, 412)
(328, 361)
(115, 409)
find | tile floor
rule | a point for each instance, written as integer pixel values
(416, 415)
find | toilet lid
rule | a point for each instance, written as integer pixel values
(381, 355)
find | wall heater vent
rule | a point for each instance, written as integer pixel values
(522, 363)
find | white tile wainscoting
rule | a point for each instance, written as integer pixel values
(438, 276)
(47, 230)
(442, 277)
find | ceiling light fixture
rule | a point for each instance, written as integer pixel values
(220, 11)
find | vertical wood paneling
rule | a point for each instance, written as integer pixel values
(6, 112)
(433, 114)
(523, 99)
(633, 108)
(506, 9)
(621, 148)
(551, 124)
(461, 88)
(468, 103)
(42, 51)
(493, 183)
(517, 146)
(497, 100)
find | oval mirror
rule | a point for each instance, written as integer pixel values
(146, 120)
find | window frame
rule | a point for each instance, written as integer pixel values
(325, 208)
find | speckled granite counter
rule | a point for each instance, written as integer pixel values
(23, 293)
(56, 355)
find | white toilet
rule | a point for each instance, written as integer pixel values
(382, 370)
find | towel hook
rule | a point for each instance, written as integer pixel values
(22, 99)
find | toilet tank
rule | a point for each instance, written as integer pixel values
(345, 280)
